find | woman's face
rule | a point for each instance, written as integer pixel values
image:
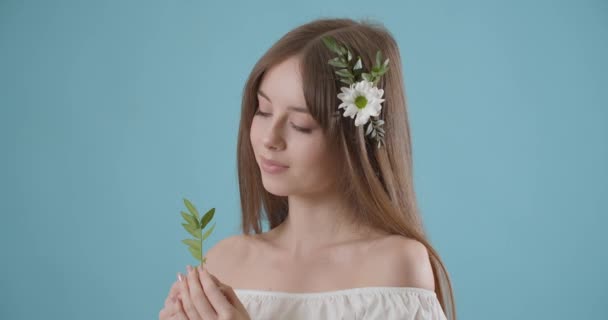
(283, 130)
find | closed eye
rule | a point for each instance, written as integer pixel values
(263, 114)
(303, 130)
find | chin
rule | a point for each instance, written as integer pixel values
(276, 187)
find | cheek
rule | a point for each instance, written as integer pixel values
(311, 156)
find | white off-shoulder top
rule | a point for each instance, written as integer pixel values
(369, 303)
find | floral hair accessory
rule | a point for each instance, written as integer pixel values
(362, 98)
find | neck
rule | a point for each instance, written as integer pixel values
(315, 223)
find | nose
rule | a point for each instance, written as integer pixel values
(273, 139)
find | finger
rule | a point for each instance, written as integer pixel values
(223, 287)
(187, 305)
(169, 310)
(172, 293)
(233, 298)
(198, 296)
(229, 294)
(179, 317)
(216, 280)
(215, 295)
(179, 313)
(165, 313)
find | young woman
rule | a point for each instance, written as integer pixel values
(326, 159)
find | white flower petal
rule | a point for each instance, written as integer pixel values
(351, 111)
(362, 118)
(374, 111)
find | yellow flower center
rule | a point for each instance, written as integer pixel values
(360, 102)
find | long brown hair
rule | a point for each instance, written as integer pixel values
(378, 182)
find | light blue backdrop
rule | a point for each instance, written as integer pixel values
(113, 111)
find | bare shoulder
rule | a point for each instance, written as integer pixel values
(226, 255)
(403, 262)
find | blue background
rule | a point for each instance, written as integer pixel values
(113, 111)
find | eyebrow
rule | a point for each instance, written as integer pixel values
(298, 109)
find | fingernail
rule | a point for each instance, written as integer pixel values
(179, 277)
(200, 268)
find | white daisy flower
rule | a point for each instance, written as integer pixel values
(361, 99)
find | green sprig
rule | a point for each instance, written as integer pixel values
(374, 128)
(195, 225)
(350, 71)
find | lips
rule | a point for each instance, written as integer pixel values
(268, 162)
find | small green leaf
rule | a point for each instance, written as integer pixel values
(191, 208)
(347, 81)
(385, 65)
(358, 64)
(336, 62)
(381, 72)
(369, 129)
(331, 44)
(191, 219)
(195, 253)
(345, 73)
(378, 58)
(208, 232)
(196, 244)
(194, 232)
(366, 77)
(189, 227)
(207, 217)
